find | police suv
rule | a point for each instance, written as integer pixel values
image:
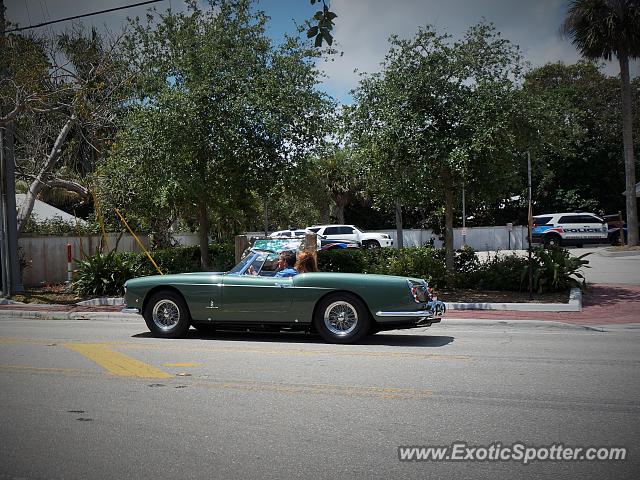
(569, 229)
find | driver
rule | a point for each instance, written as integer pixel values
(286, 264)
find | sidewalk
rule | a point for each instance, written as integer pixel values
(602, 304)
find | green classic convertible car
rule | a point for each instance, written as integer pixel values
(341, 307)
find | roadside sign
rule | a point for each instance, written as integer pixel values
(510, 226)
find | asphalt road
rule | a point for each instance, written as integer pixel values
(102, 399)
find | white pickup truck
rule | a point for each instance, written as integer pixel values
(350, 232)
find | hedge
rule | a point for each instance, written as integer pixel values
(553, 269)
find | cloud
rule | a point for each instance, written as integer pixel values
(363, 27)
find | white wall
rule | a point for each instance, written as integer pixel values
(481, 239)
(47, 256)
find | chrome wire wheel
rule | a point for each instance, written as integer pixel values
(165, 314)
(340, 318)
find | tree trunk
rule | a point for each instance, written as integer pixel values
(399, 228)
(341, 200)
(203, 234)
(448, 225)
(325, 216)
(629, 161)
(27, 207)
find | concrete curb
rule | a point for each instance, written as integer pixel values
(574, 305)
(53, 315)
(97, 302)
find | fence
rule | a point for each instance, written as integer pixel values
(479, 238)
(46, 257)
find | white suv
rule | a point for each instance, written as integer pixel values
(569, 229)
(350, 232)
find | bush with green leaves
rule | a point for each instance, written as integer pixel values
(554, 269)
(185, 259)
(103, 274)
(499, 272)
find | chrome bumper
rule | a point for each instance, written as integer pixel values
(433, 310)
(130, 310)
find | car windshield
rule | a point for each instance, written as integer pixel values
(262, 258)
(541, 220)
(257, 263)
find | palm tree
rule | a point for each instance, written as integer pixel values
(603, 29)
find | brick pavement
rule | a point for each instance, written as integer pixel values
(601, 304)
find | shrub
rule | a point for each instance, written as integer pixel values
(184, 259)
(420, 262)
(555, 270)
(500, 272)
(103, 274)
(347, 261)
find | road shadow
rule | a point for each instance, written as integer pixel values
(389, 339)
(607, 295)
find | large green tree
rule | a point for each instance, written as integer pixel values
(222, 115)
(440, 113)
(578, 163)
(604, 29)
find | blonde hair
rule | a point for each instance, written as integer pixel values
(306, 263)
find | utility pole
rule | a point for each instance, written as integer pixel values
(11, 278)
(530, 225)
(464, 218)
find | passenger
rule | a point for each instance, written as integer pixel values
(286, 264)
(306, 263)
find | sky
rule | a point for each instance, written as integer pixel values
(362, 28)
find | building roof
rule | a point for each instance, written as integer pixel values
(43, 211)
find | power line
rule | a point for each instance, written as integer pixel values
(82, 16)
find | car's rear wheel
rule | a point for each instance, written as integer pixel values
(552, 241)
(166, 314)
(341, 318)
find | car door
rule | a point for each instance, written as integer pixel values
(594, 229)
(340, 232)
(572, 227)
(249, 298)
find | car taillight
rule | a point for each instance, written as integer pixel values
(419, 291)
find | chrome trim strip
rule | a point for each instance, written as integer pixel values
(130, 310)
(417, 313)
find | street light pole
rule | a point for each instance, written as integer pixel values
(464, 219)
(530, 226)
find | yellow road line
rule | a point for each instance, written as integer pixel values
(116, 363)
(28, 368)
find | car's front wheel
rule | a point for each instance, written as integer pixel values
(552, 241)
(166, 314)
(371, 244)
(341, 318)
